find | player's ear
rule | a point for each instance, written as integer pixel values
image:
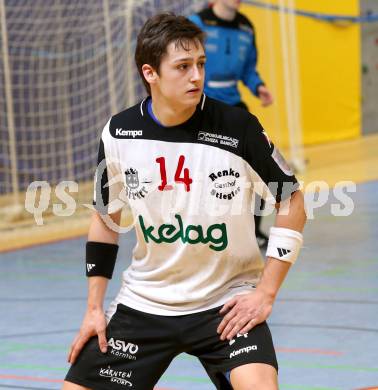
(149, 73)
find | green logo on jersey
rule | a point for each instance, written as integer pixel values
(216, 234)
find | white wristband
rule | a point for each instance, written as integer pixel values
(284, 244)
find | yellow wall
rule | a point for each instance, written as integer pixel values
(329, 72)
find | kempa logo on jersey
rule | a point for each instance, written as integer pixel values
(243, 350)
(132, 185)
(117, 376)
(122, 349)
(119, 132)
(225, 184)
(216, 234)
(218, 139)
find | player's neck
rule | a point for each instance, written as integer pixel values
(223, 12)
(169, 115)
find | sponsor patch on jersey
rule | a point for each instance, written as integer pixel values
(217, 139)
(215, 235)
(122, 133)
(281, 162)
(225, 183)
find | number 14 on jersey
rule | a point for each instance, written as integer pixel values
(185, 178)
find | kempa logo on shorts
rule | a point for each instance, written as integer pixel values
(243, 350)
(218, 139)
(90, 267)
(119, 132)
(117, 376)
(192, 234)
(122, 349)
(225, 184)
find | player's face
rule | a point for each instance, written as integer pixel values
(182, 74)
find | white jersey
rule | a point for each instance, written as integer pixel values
(190, 189)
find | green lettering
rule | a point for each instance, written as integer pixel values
(170, 229)
(216, 234)
(181, 232)
(223, 240)
(147, 232)
(198, 230)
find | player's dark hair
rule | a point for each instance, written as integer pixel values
(157, 33)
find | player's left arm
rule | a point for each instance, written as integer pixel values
(243, 312)
(268, 168)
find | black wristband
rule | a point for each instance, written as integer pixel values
(100, 258)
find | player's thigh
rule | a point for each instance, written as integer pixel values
(140, 348)
(254, 376)
(219, 357)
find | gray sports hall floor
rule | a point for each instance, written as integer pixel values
(324, 324)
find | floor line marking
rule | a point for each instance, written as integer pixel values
(31, 378)
(310, 351)
(330, 327)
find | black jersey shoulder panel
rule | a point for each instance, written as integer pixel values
(216, 124)
(125, 123)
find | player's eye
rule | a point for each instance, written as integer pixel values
(201, 64)
(183, 66)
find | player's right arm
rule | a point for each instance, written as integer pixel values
(101, 248)
(94, 322)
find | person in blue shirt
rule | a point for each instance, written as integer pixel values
(231, 53)
(231, 57)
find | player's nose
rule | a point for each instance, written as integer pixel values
(196, 74)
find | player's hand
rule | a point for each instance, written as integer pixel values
(94, 324)
(243, 312)
(264, 95)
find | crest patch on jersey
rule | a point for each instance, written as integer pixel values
(134, 190)
(132, 178)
